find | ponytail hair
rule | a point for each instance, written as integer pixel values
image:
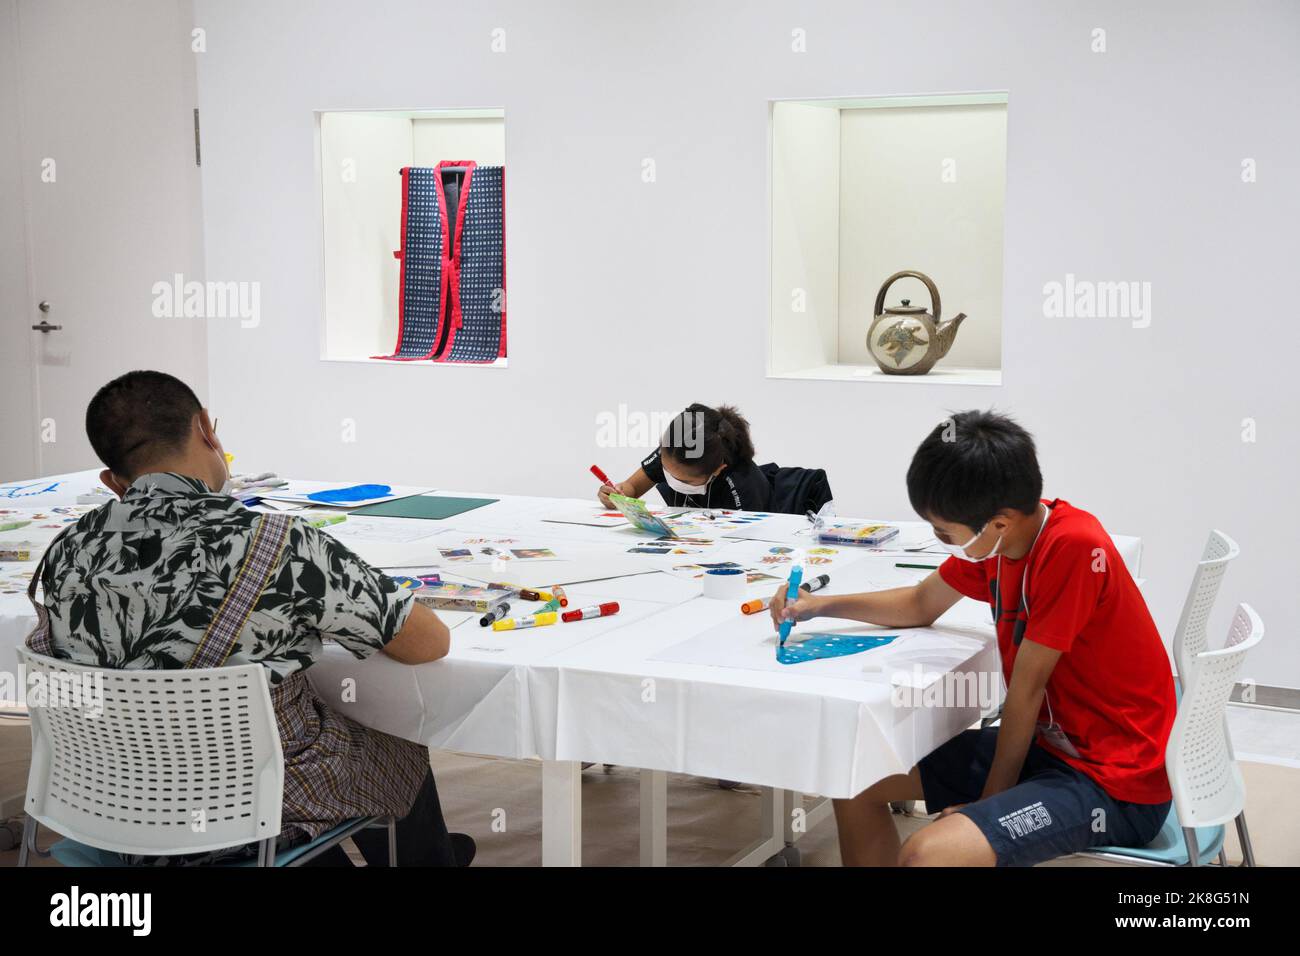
(702, 438)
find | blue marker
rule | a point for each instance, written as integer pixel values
(791, 592)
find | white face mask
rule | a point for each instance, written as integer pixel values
(959, 550)
(682, 488)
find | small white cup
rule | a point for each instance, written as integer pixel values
(727, 584)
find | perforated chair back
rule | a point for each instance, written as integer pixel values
(154, 762)
(1206, 782)
(1192, 635)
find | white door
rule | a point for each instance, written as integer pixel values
(108, 190)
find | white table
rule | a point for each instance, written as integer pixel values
(600, 691)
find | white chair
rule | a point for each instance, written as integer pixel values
(1207, 787)
(1192, 635)
(159, 763)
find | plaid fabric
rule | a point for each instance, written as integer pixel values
(261, 559)
(336, 769)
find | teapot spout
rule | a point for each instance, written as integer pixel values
(946, 332)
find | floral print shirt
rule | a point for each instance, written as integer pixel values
(135, 583)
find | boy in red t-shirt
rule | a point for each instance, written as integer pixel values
(1079, 757)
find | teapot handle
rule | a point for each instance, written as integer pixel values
(934, 292)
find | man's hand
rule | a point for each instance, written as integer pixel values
(801, 609)
(953, 808)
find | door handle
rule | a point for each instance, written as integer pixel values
(45, 326)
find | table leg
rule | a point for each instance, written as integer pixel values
(654, 818)
(561, 813)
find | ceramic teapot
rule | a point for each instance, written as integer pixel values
(906, 339)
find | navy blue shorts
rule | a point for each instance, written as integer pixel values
(1053, 811)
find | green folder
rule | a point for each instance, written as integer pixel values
(423, 506)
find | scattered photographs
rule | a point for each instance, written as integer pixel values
(456, 554)
(534, 554)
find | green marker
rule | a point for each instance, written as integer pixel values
(13, 525)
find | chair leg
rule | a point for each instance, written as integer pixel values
(1243, 835)
(266, 852)
(29, 840)
(1223, 858)
(392, 841)
(1193, 851)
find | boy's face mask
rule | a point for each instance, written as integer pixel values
(959, 550)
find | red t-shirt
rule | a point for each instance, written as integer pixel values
(1112, 690)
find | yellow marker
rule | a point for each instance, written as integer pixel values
(229, 457)
(518, 623)
(545, 595)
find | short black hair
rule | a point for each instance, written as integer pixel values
(702, 438)
(138, 416)
(972, 466)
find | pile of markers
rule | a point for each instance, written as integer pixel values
(554, 601)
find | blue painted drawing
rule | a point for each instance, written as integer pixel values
(818, 647)
(352, 493)
(27, 491)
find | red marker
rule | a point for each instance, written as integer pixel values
(587, 613)
(601, 476)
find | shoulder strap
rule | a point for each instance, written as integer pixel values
(260, 562)
(39, 639)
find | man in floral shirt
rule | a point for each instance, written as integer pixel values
(139, 584)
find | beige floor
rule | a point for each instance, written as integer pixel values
(707, 825)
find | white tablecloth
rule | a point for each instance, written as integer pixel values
(600, 690)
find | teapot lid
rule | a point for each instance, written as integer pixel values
(905, 309)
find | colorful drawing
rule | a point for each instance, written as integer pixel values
(775, 558)
(647, 549)
(456, 554)
(351, 493)
(823, 551)
(818, 559)
(780, 550)
(635, 511)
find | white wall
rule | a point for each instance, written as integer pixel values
(361, 155)
(1122, 165)
(805, 235)
(898, 213)
(18, 439)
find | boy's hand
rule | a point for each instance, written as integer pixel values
(622, 488)
(801, 609)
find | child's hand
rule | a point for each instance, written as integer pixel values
(801, 609)
(620, 489)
